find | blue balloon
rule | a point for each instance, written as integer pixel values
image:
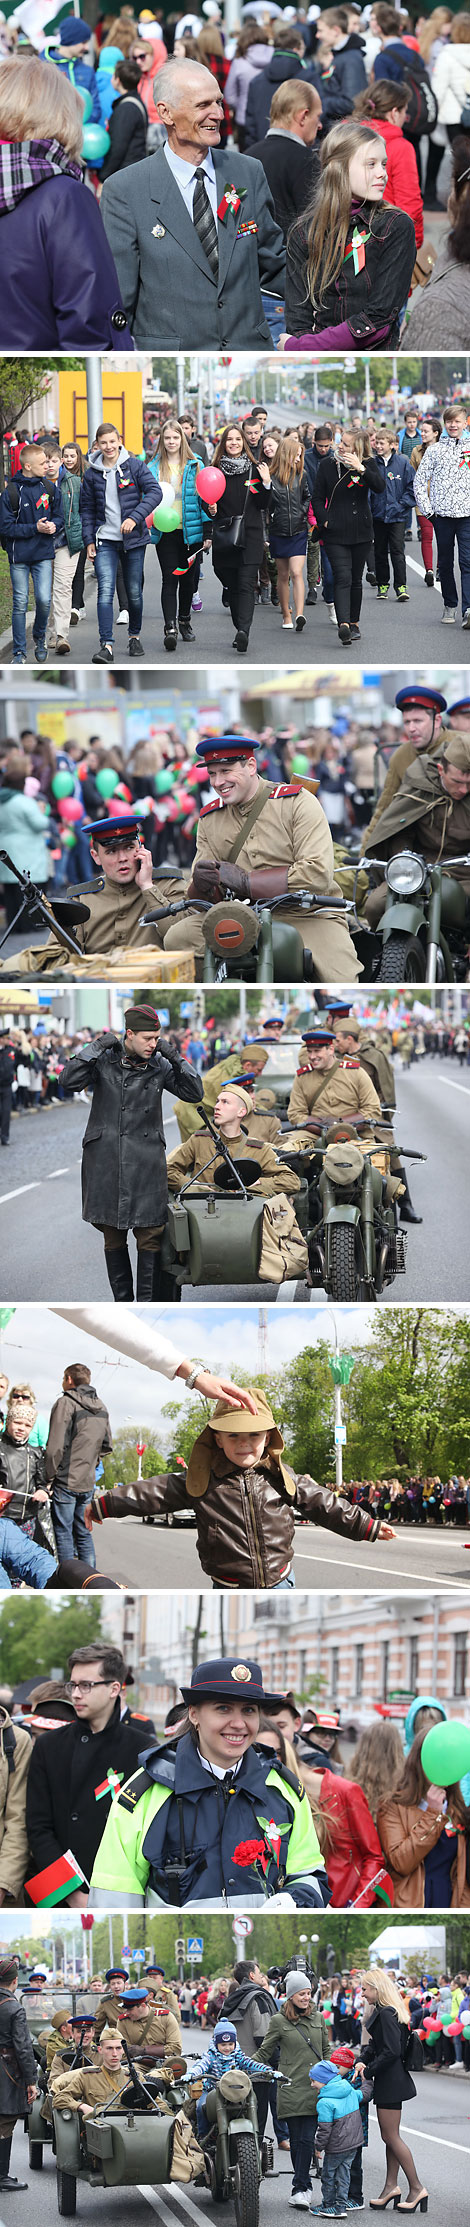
(95, 144)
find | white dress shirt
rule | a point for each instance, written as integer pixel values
(185, 175)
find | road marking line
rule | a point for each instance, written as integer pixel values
(19, 1193)
(414, 1577)
(55, 1172)
(419, 568)
(182, 2198)
(169, 2189)
(439, 2138)
(449, 1084)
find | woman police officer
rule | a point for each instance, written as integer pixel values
(210, 1817)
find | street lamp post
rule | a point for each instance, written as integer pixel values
(341, 1369)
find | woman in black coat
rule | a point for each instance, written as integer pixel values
(289, 504)
(383, 2060)
(343, 515)
(124, 1179)
(236, 561)
(350, 257)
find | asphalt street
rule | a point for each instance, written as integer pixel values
(436, 2124)
(51, 1254)
(153, 1556)
(390, 631)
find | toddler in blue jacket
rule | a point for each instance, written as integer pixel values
(339, 2135)
(223, 2055)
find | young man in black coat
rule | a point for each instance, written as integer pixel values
(72, 1781)
(286, 152)
(124, 1180)
(17, 2070)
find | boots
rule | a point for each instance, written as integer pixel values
(8, 2180)
(119, 1272)
(407, 1212)
(147, 1270)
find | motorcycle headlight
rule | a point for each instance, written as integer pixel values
(406, 874)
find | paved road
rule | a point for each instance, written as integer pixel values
(389, 633)
(51, 1253)
(436, 2125)
(152, 1555)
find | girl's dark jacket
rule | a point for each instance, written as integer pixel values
(231, 503)
(342, 507)
(288, 506)
(62, 1809)
(245, 1519)
(60, 287)
(124, 1180)
(369, 300)
(18, 2066)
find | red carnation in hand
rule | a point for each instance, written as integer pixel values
(252, 1852)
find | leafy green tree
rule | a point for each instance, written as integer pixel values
(121, 1466)
(42, 1639)
(23, 379)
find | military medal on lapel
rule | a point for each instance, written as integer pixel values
(158, 231)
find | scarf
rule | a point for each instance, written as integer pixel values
(233, 464)
(30, 162)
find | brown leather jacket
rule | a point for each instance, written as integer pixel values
(407, 1835)
(245, 1520)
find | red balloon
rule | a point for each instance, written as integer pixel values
(70, 808)
(210, 483)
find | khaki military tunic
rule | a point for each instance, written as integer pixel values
(113, 925)
(188, 1117)
(261, 1125)
(291, 831)
(405, 756)
(378, 1065)
(55, 2070)
(194, 1157)
(94, 2084)
(347, 1090)
(160, 2031)
(164, 1997)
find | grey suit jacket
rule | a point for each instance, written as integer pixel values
(168, 289)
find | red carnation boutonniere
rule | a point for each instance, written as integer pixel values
(255, 1855)
(231, 199)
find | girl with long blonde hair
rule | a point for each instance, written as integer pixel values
(384, 2062)
(350, 256)
(176, 468)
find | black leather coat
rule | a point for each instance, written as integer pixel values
(124, 1180)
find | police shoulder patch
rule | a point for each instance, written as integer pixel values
(217, 807)
(287, 788)
(135, 1790)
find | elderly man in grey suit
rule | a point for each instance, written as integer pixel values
(192, 229)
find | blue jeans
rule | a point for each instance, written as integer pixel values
(275, 314)
(328, 591)
(106, 564)
(335, 2179)
(41, 575)
(447, 531)
(71, 1533)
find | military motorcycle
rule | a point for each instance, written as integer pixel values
(214, 1234)
(125, 2143)
(356, 1247)
(236, 2160)
(249, 941)
(424, 932)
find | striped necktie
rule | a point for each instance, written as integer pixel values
(205, 223)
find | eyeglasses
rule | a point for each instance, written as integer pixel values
(78, 1685)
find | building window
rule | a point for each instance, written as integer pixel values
(334, 1672)
(359, 1671)
(385, 1668)
(414, 1666)
(460, 1665)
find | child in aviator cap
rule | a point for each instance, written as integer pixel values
(245, 1497)
(224, 2055)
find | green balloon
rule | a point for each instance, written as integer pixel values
(430, 2039)
(466, 2033)
(165, 518)
(107, 781)
(300, 764)
(445, 1753)
(63, 784)
(163, 782)
(87, 105)
(95, 143)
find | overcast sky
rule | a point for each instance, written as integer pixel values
(37, 1346)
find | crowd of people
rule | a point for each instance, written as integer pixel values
(283, 514)
(335, 123)
(342, 1834)
(281, 2026)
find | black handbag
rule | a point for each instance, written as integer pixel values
(229, 533)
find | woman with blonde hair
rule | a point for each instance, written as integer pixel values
(176, 468)
(210, 51)
(377, 1762)
(59, 282)
(288, 509)
(350, 257)
(384, 2061)
(344, 520)
(434, 30)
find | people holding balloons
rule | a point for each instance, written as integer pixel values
(117, 491)
(424, 1827)
(238, 536)
(180, 528)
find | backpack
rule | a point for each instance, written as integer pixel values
(422, 104)
(284, 1252)
(413, 2052)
